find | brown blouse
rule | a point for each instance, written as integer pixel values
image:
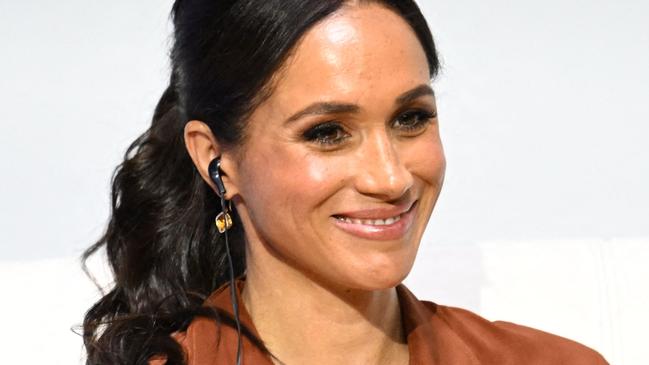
(436, 334)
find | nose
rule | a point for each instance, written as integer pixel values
(381, 172)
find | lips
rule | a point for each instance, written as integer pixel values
(378, 224)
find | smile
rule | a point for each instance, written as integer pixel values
(370, 222)
(381, 225)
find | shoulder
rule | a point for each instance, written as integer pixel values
(201, 343)
(509, 343)
(214, 339)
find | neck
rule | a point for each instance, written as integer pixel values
(302, 322)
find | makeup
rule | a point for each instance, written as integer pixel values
(380, 225)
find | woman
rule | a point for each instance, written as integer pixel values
(309, 130)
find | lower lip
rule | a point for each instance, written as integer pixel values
(387, 232)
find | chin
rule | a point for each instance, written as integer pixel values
(379, 277)
(380, 283)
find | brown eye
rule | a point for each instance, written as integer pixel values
(413, 120)
(329, 133)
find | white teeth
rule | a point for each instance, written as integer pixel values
(371, 222)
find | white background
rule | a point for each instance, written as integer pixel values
(544, 113)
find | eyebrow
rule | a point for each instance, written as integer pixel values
(414, 94)
(323, 108)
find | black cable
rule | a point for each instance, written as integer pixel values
(233, 289)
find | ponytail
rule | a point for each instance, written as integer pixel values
(164, 252)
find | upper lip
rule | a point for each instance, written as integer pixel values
(378, 213)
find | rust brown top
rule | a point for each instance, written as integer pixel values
(436, 334)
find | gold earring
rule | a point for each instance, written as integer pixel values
(223, 220)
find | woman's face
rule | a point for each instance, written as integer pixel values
(343, 163)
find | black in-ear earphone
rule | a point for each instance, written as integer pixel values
(214, 169)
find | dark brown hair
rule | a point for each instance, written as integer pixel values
(164, 252)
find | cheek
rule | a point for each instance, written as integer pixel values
(426, 160)
(284, 186)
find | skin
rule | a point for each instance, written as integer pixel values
(307, 276)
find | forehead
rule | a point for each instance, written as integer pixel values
(361, 54)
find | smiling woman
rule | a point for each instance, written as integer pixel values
(309, 130)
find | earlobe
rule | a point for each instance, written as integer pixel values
(203, 148)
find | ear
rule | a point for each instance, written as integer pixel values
(203, 147)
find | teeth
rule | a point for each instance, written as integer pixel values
(371, 222)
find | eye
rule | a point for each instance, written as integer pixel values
(413, 120)
(328, 134)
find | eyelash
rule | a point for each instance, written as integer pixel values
(322, 133)
(423, 118)
(329, 133)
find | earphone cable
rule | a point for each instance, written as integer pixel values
(233, 293)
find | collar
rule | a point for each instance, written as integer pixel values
(430, 338)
